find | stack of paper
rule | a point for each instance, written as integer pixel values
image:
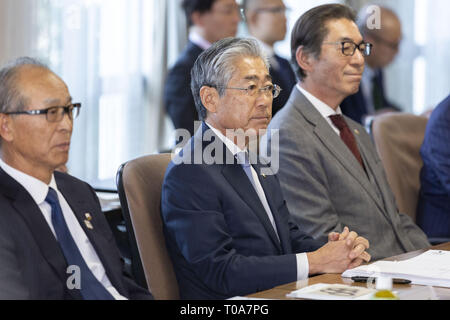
(431, 268)
(323, 291)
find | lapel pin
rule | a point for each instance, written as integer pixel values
(264, 176)
(87, 221)
(356, 131)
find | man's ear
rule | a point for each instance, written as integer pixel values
(304, 59)
(6, 131)
(210, 98)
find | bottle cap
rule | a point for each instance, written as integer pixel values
(384, 283)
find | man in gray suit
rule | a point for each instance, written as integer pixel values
(330, 173)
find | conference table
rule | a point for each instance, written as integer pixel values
(280, 292)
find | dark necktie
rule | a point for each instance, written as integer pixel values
(91, 288)
(347, 136)
(377, 93)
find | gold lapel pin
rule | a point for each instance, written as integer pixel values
(264, 176)
(356, 131)
(87, 221)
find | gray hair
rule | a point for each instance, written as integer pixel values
(11, 99)
(216, 66)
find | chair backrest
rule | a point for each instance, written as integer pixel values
(398, 138)
(140, 183)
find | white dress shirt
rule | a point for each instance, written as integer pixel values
(38, 191)
(325, 110)
(270, 53)
(302, 259)
(198, 40)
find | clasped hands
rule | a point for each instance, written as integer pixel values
(343, 251)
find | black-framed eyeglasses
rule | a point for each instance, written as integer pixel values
(349, 47)
(54, 114)
(270, 90)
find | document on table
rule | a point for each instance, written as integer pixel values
(323, 291)
(431, 268)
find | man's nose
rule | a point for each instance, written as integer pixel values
(66, 122)
(358, 58)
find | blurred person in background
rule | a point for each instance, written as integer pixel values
(371, 98)
(266, 21)
(209, 21)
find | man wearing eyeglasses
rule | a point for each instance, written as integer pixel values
(54, 240)
(266, 21)
(227, 227)
(371, 98)
(330, 173)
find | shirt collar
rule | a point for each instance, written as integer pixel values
(269, 51)
(234, 149)
(36, 188)
(324, 109)
(197, 39)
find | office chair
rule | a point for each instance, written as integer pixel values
(398, 138)
(139, 184)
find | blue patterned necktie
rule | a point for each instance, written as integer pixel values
(91, 288)
(243, 160)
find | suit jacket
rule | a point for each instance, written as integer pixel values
(355, 106)
(433, 214)
(327, 189)
(32, 265)
(217, 232)
(283, 76)
(178, 98)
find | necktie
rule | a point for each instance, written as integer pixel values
(245, 163)
(91, 288)
(377, 94)
(347, 136)
(243, 160)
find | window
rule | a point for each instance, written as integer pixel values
(113, 60)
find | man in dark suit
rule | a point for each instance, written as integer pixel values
(433, 213)
(371, 97)
(227, 227)
(266, 21)
(209, 21)
(54, 240)
(330, 172)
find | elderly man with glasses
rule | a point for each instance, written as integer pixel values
(330, 172)
(226, 223)
(55, 242)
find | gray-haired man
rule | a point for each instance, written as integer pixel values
(227, 226)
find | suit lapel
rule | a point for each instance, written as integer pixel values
(237, 178)
(269, 186)
(336, 146)
(25, 206)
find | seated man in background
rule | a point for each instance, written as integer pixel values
(209, 21)
(330, 172)
(371, 97)
(433, 213)
(266, 21)
(55, 242)
(227, 227)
